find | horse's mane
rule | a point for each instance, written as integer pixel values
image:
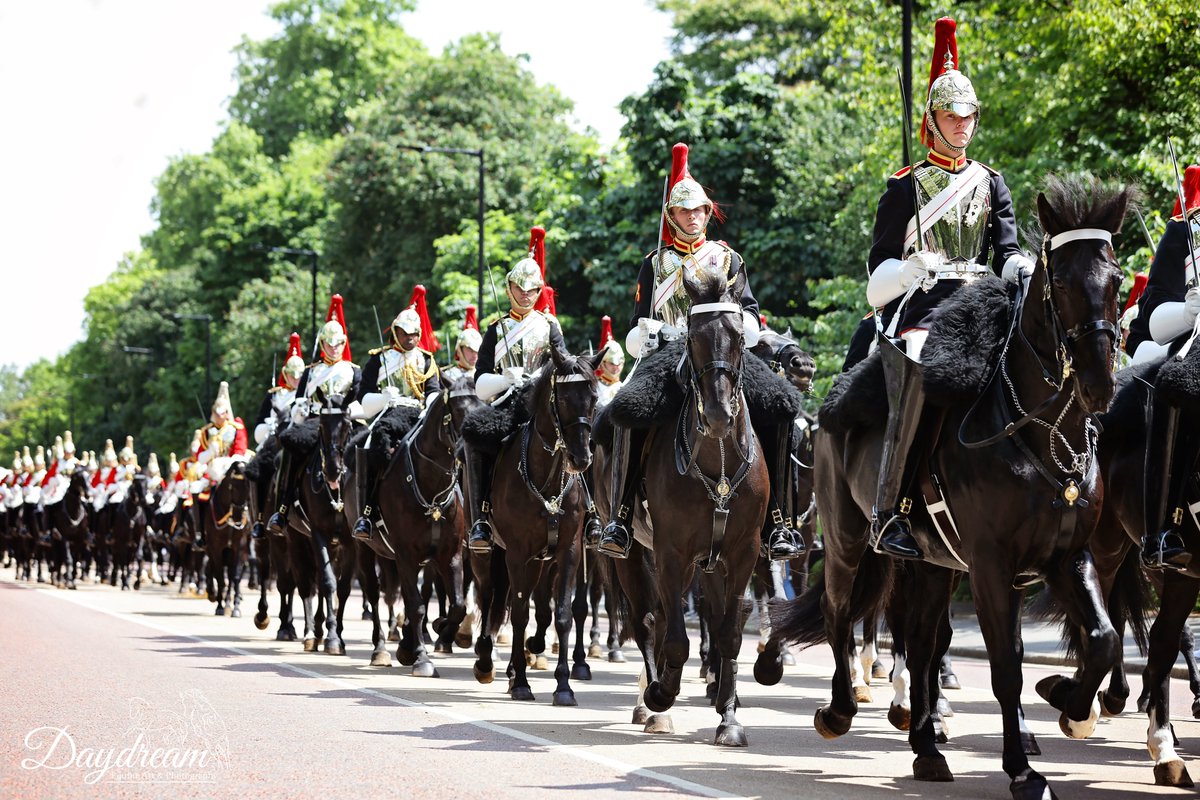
(1085, 201)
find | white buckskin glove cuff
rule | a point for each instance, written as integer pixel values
(1017, 266)
(491, 385)
(261, 432)
(751, 328)
(1170, 321)
(643, 339)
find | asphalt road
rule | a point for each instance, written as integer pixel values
(147, 694)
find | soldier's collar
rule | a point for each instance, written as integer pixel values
(608, 380)
(688, 248)
(518, 316)
(946, 162)
(329, 363)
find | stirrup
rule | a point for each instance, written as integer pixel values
(1169, 552)
(894, 538)
(616, 540)
(257, 531)
(480, 540)
(782, 544)
(362, 528)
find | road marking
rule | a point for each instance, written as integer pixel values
(573, 751)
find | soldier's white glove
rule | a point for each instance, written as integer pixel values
(1017, 267)
(669, 333)
(516, 375)
(392, 394)
(410, 402)
(919, 266)
(300, 410)
(1191, 304)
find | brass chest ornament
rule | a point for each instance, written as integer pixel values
(1070, 492)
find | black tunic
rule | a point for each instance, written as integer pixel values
(891, 220)
(1167, 282)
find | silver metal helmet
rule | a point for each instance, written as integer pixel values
(332, 333)
(526, 274)
(951, 91)
(688, 193)
(408, 321)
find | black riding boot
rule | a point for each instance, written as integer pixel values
(278, 522)
(890, 529)
(591, 519)
(479, 470)
(1165, 481)
(617, 537)
(780, 541)
(364, 482)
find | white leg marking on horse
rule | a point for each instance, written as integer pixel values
(1160, 742)
(867, 657)
(1084, 728)
(900, 681)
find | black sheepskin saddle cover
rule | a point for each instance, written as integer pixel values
(963, 349)
(265, 460)
(486, 428)
(966, 340)
(1178, 381)
(652, 396)
(858, 398)
(1124, 423)
(301, 439)
(386, 434)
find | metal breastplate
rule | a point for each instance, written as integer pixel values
(958, 234)
(391, 369)
(336, 378)
(667, 261)
(527, 351)
(282, 400)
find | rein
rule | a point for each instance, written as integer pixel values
(438, 507)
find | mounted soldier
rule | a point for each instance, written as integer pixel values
(222, 442)
(37, 473)
(662, 309)
(967, 229)
(403, 373)
(276, 411)
(105, 476)
(611, 365)
(512, 348)
(333, 373)
(1164, 325)
(466, 349)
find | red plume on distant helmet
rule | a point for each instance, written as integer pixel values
(537, 250)
(336, 312)
(1191, 190)
(470, 320)
(606, 333)
(292, 351)
(944, 41)
(1135, 294)
(417, 303)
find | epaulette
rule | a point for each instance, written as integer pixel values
(377, 351)
(902, 172)
(239, 425)
(426, 352)
(989, 169)
(275, 389)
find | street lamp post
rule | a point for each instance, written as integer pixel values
(207, 320)
(482, 203)
(315, 256)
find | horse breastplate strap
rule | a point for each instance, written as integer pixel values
(956, 226)
(671, 302)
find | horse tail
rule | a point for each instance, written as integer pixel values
(1129, 598)
(802, 621)
(499, 573)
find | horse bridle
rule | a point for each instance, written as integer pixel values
(434, 509)
(328, 410)
(559, 426)
(695, 375)
(224, 522)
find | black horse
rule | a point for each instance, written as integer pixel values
(539, 501)
(69, 518)
(1014, 514)
(706, 486)
(225, 517)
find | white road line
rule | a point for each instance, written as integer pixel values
(565, 749)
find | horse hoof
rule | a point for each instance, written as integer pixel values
(659, 723)
(1111, 705)
(565, 698)
(950, 681)
(943, 707)
(1050, 686)
(1029, 744)
(219, 612)
(862, 694)
(235, 614)
(381, 659)
(310, 645)
(788, 659)
(541, 663)
(530, 660)
(830, 725)
(581, 672)
(554, 649)
(900, 717)
(768, 670)
(425, 669)
(442, 648)
(731, 736)
(406, 657)
(878, 671)
(1031, 786)
(1195, 703)
(656, 700)
(481, 676)
(463, 641)
(261, 620)
(285, 635)
(704, 672)
(523, 693)
(335, 647)
(762, 647)
(595, 651)
(503, 638)
(1080, 729)
(1172, 773)
(393, 635)
(616, 657)
(932, 768)
(640, 715)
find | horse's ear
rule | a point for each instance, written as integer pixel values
(1117, 210)
(1051, 224)
(558, 354)
(596, 359)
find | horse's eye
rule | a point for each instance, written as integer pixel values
(1058, 284)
